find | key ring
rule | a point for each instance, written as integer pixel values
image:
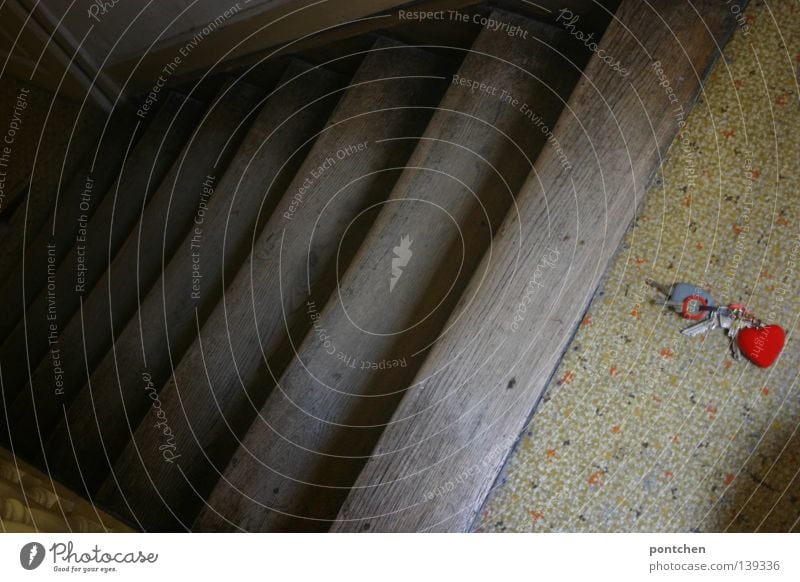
(699, 312)
(749, 336)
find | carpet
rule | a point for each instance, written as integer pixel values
(643, 429)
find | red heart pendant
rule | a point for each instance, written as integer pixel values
(762, 345)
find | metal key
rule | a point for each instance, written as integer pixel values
(726, 318)
(710, 323)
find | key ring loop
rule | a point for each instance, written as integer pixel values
(699, 313)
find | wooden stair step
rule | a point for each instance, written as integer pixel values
(58, 156)
(75, 203)
(152, 157)
(223, 378)
(437, 460)
(95, 427)
(314, 433)
(170, 211)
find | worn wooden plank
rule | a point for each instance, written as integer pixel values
(57, 154)
(182, 195)
(223, 379)
(261, 26)
(314, 433)
(107, 230)
(89, 434)
(300, 26)
(78, 198)
(436, 461)
(388, 24)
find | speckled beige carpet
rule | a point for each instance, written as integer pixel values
(644, 429)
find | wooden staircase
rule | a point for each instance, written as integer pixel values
(281, 305)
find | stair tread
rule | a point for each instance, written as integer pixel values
(94, 175)
(475, 392)
(149, 161)
(54, 158)
(169, 212)
(313, 434)
(170, 312)
(228, 356)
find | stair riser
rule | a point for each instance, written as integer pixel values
(57, 158)
(169, 213)
(170, 313)
(77, 200)
(464, 176)
(74, 278)
(227, 359)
